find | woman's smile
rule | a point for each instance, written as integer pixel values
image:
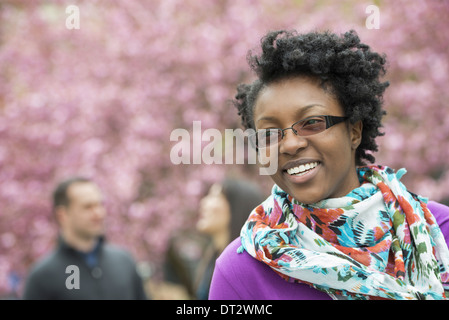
(303, 171)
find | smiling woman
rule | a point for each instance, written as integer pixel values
(333, 226)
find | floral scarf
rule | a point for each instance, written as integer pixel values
(378, 242)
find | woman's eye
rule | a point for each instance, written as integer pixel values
(312, 122)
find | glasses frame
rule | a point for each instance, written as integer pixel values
(330, 121)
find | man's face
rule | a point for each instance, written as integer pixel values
(85, 214)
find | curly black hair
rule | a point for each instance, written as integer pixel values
(346, 67)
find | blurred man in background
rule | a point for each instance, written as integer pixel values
(83, 266)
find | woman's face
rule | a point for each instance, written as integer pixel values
(215, 212)
(330, 154)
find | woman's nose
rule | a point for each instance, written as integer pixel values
(291, 143)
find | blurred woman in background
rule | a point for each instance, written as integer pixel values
(191, 256)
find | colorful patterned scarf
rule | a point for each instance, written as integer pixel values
(378, 242)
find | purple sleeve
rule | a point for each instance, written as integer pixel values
(238, 276)
(441, 214)
(232, 275)
(221, 287)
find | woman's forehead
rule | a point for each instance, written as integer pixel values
(299, 97)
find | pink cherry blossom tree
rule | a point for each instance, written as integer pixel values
(102, 101)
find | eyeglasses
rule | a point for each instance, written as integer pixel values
(309, 126)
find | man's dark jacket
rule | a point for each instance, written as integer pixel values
(113, 277)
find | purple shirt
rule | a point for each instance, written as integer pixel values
(238, 276)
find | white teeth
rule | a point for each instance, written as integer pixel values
(302, 168)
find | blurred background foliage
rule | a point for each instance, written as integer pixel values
(102, 101)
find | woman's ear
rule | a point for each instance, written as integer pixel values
(356, 134)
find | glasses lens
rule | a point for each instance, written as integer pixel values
(310, 126)
(268, 137)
